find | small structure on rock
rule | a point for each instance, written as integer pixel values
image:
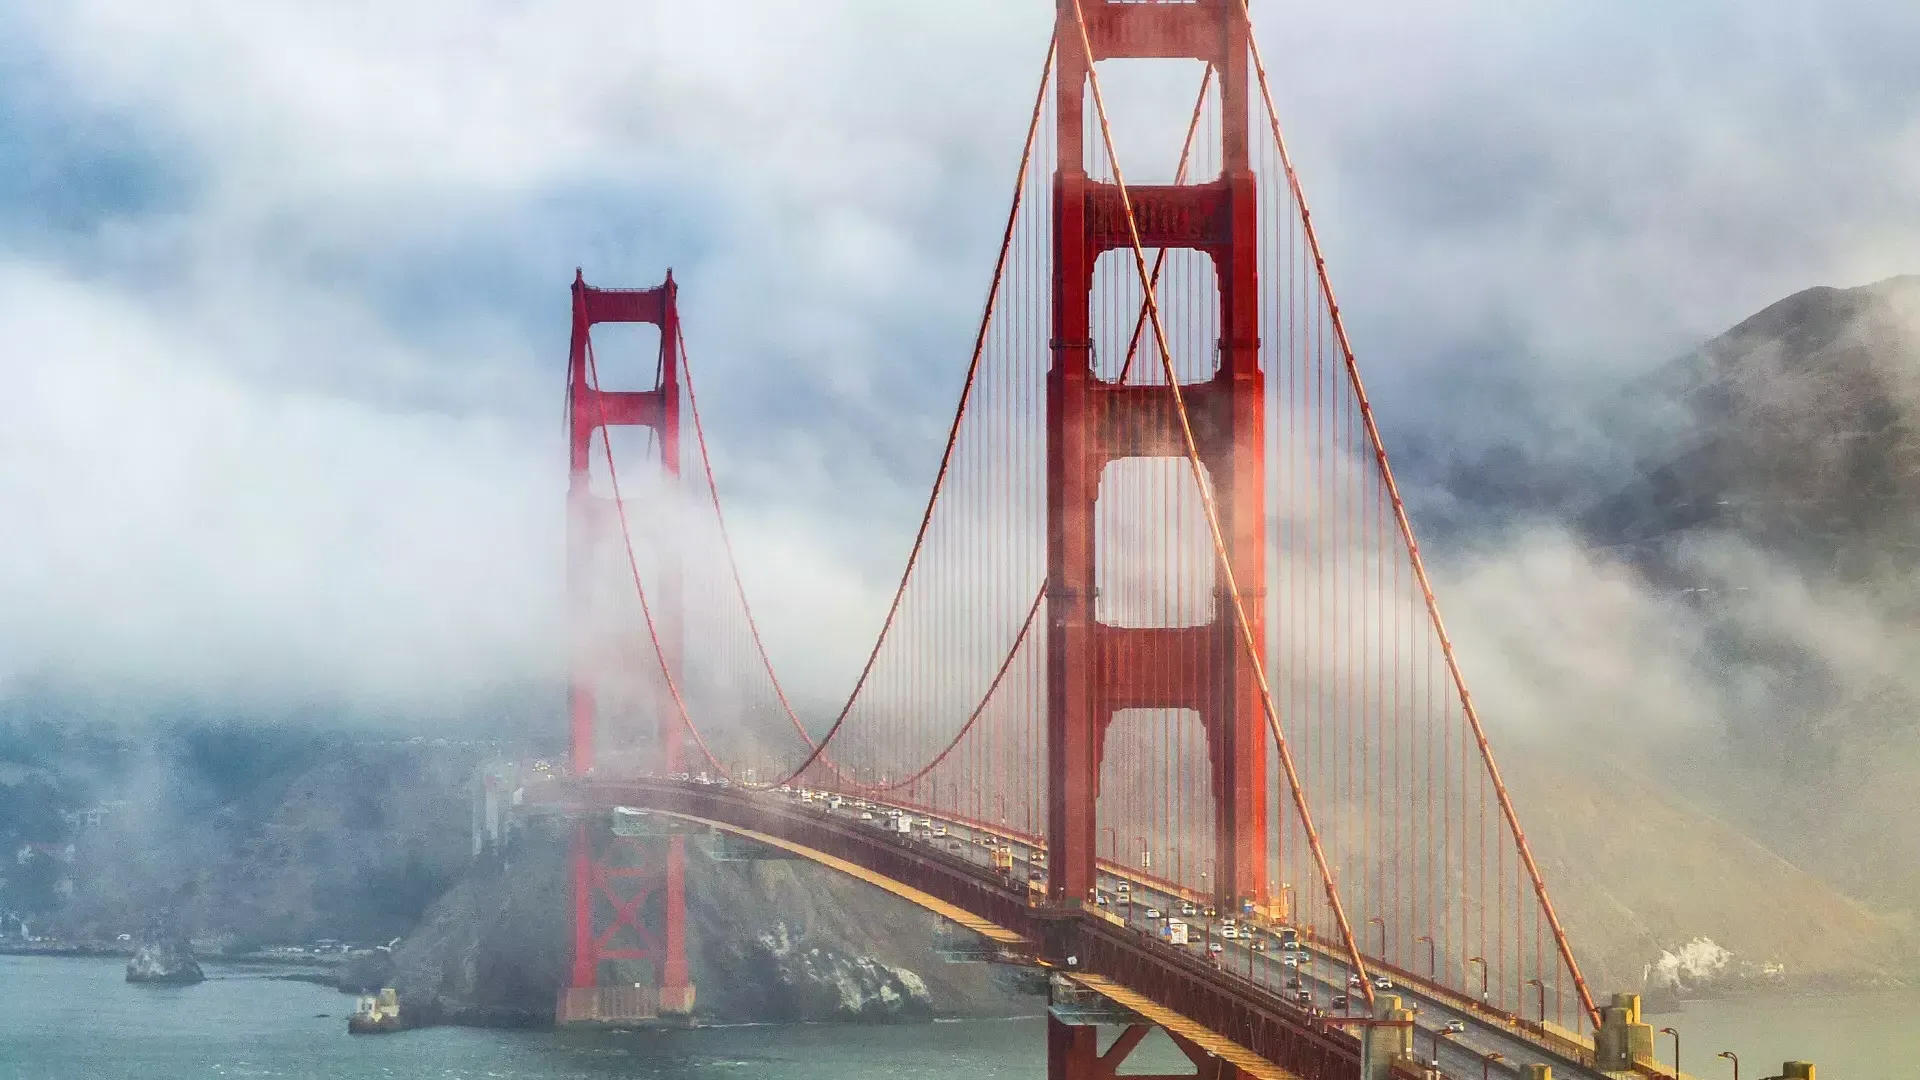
(376, 1014)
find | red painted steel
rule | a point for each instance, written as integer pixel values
(1073, 1053)
(1123, 714)
(1095, 670)
(1234, 1008)
(600, 860)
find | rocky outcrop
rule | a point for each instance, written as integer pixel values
(783, 977)
(767, 942)
(164, 962)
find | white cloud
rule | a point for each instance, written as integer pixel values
(233, 455)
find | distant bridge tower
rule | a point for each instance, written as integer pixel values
(1098, 669)
(629, 893)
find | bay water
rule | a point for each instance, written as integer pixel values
(77, 1019)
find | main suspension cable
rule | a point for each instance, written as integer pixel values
(1254, 652)
(1405, 525)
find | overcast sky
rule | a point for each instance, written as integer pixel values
(283, 286)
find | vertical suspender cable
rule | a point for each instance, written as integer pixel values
(1417, 563)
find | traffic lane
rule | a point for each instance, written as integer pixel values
(1328, 982)
(1473, 1046)
(1469, 1049)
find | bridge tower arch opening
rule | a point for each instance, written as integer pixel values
(629, 877)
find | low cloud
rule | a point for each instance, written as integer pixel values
(295, 426)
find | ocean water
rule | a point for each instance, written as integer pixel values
(72, 1019)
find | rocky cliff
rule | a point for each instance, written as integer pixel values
(767, 941)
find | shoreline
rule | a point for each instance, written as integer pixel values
(124, 951)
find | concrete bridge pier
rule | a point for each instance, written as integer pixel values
(1387, 1043)
(1622, 1039)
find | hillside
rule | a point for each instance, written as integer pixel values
(1795, 430)
(1714, 725)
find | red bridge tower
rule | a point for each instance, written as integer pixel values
(1097, 669)
(629, 893)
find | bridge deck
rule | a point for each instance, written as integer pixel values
(1246, 1061)
(991, 931)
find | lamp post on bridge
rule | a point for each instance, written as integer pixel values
(1114, 844)
(1383, 934)
(1735, 1058)
(1486, 1064)
(1433, 962)
(1542, 987)
(1676, 1048)
(1146, 854)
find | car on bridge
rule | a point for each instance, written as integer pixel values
(1153, 914)
(1454, 1027)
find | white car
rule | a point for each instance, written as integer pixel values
(1153, 914)
(1229, 931)
(1455, 1027)
(1381, 982)
(866, 815)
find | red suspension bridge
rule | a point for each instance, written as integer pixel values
(1164, 633)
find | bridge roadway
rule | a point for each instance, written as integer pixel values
(1325, 977)
(1241, 999)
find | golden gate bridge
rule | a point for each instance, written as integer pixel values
(1164, 637)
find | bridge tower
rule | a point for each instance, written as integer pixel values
(1096, 669)
(629, 886)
